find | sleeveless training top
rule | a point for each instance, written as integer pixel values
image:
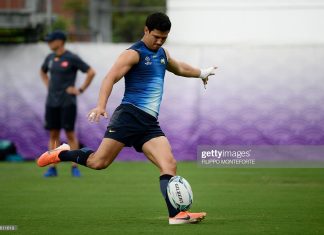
(144, 81)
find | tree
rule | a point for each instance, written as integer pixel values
(129, 17)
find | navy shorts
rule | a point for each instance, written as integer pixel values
(132, 126)
(57, 118)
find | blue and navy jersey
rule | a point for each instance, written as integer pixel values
(144, 81)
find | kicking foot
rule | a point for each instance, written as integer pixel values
(50, 157)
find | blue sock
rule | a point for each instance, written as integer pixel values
(164, 180)
(79, 156)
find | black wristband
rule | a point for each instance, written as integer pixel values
(81, 90)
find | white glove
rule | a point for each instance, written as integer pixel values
(205, 73)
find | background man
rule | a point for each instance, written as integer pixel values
(61, 104)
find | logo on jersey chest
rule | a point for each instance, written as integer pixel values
(64, 64)
(149, 62)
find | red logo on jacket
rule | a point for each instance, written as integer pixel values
(64, 64)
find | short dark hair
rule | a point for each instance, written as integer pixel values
(159, 21)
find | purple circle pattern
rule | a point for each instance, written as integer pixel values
(260, 95)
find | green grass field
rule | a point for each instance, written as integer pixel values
(125, 199)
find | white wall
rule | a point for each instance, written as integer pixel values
(246, 22)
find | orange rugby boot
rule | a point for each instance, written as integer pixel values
(50, 157)
(186, 217)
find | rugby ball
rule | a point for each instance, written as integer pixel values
(179, 193)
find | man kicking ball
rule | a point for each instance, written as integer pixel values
(135, 121)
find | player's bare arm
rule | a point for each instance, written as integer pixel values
(122, 65)
(180, 68)
(89, 77)
(77, 91)
(185, 70)
(44, 77)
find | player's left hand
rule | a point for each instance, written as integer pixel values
(205, 73)
(72, 90)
